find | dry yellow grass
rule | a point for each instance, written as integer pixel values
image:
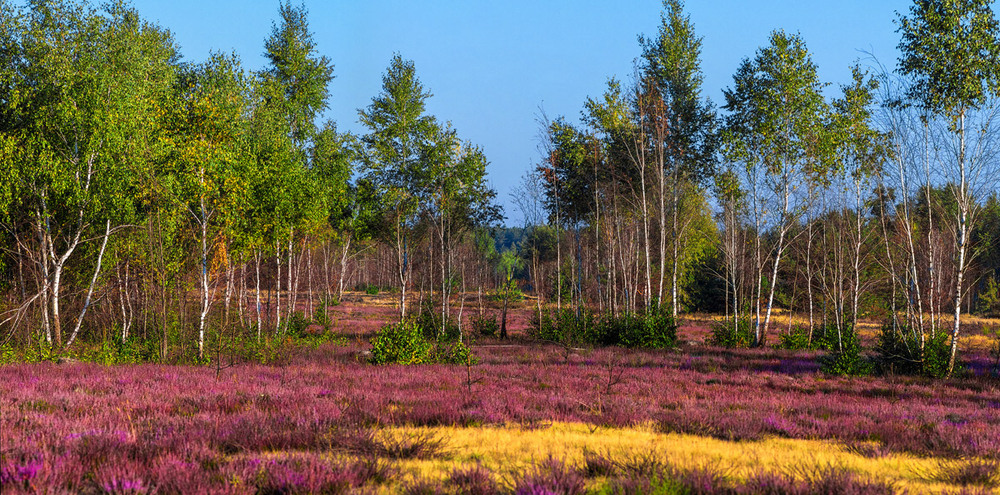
(509, 450)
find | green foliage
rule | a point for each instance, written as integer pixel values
(846, 358)
(400, 343)
(796, 339)
(298, 323)
(132, 350)
(777, 114)
(430, 323)
(321, 315)
(563, 327)
(485, 325)
(827, 337)
(7, 354)
(950, 49)
(453, 353)
(898, 352)
(405, 343)
(39, 350)
(672, 63)
(302, 74)
(654, 329)
(730, 335)
(508, 291)
(989, 299)
(369, 289)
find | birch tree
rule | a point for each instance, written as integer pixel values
(82, 109)
(682, 132)
(776, 128)
(209, 163)
(397, 128)
(950, 51)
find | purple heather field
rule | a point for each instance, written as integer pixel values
(126, 429)
(251, 428)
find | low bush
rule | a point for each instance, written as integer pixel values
(738, 334)
(297, 324)
(132, 350)
(454, 353)
(406, 343)
(434, 327)
(898, 351)
(401, 343)
(653, 329)
(485, 325)
(845, 357)
(796, 339)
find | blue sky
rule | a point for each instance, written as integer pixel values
(492, 65)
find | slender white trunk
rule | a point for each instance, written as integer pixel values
(256, 258)
(964, 205)
(93, 283)
(343, 266)
(277, 283)
(204, 284)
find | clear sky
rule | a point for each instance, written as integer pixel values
(492, 65)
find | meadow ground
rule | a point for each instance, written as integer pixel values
(527, 418)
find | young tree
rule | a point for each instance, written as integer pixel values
(507, 264)
(333, 158)
(210, 162)
(454, 198)
(862, 154)
(777, 129)
(300, 77)
(397, 128)
(682, 132)
(950, 49)
(303, 75)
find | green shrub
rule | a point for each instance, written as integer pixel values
(988, 303)
(405, 343)
(40, 350)
(456, 353)
(513, 292)
(297, 324)
(130, 351)
(796, 339)
(401, 343)
(898, 352)
(726, 334)
(655, 329)
(7, 354)
(847, 358)
(563, 327)
(429, 321)
(485, 325)
(321, 315)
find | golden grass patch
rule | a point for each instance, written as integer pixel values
(507, 451)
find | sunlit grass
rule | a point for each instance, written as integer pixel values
(507, 451)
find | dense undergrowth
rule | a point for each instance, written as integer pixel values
(896, 350)
(226, 347)
(651, 329)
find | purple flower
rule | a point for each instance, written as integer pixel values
(120, 485)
